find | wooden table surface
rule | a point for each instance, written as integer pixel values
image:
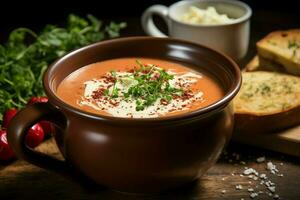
(20, 180)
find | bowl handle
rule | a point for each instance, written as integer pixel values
(17, 131)
(147, 20)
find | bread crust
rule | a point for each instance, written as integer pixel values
(253, 65)
(250, 114)
(282, 47)
(255, 124)
(259, 63)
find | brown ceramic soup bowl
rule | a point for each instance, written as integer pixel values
(133, 155)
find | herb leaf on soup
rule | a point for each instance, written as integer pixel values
(147, 84)
(151, 84)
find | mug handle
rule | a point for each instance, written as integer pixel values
(147, 20)
(18, 128)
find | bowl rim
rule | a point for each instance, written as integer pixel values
(56, 101)
(241, 19)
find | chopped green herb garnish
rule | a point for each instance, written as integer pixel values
(272, 42)
(265, 89)
(151, 84)
(293, 44)
(106, 92)
(113, 73)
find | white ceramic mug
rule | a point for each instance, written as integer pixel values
(232, 38)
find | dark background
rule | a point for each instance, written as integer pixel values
(36, 13)
(268, 15)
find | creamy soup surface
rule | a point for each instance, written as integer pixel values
(138, 88)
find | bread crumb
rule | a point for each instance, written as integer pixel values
(272, 188)
(270, 194)
(272, 168)
(263, 176)
(261, 159)
(280, 175)
(250, 171)
(243, 163)
(253, 195)
(238, 187)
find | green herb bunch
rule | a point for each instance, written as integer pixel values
(26, 55)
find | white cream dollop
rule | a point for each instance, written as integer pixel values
(119, 107)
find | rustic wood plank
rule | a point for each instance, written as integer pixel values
(20, 180)
(287, 141)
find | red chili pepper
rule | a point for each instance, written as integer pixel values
(33, 100)
(6, 153)
(8, 115)
(47, 126)
(35, 136)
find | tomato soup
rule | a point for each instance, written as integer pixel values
(138, 88)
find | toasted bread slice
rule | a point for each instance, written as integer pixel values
(267, 102)
(266, 64)
(282, 47)
(253, 65)
(259, 63)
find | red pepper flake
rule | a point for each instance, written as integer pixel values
(175, 96)
(111, 80)
(108, 79)
(187, 95)
(131, 71)
(114, 103)
(98, 93)
(180, 84)
(145, 71)
(155, 77)
(164, 102)
(105, 98)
